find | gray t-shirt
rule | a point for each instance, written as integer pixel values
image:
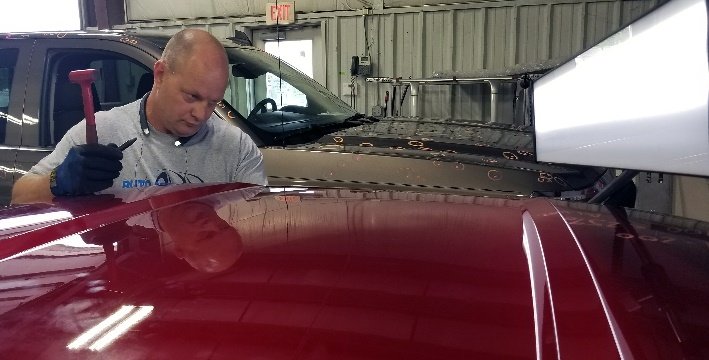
(220, 152)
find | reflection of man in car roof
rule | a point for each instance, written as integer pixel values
(195, 233)
(191, 233)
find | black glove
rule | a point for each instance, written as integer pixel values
(86, 169)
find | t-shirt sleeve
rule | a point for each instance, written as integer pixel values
(249, 167)
(57, 156)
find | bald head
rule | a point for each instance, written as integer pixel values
(190, 79)
(184, 46)
(194, 232)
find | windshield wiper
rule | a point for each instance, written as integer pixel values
(346, 123)
(359, 119)
(314, 131)
(354, 120)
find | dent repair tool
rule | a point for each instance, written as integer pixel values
(85, 78)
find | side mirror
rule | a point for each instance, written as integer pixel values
(241, 38)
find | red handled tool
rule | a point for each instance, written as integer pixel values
(85, 78)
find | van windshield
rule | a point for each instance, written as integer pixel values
(276, 98)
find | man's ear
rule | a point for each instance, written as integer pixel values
(159, 70)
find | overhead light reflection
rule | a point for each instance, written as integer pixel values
(290, 189)
(29, 120)
(112, 328)
(109, 337)
(71, 240)
(38, 219)
(12, 170)
(99, 328)
(26, 220)
(11, 118)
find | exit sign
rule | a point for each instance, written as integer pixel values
(282, 12)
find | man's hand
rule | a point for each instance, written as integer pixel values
(86, 169)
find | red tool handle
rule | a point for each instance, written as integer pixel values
(85, 78)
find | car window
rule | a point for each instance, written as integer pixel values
(8, 57)
(120, 81)
(277, 101)
(268, 85)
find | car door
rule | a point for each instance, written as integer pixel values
(14, 56)
(55, 104)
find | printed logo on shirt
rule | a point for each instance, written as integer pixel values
(167, 177)
(136, 183)
(164, 178)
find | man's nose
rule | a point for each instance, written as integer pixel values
(202, 110)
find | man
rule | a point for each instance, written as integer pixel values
(178, 139)
(195, 233)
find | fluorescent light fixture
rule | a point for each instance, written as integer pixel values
(112, 328)
(637, 100)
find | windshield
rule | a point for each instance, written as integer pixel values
(276, 100)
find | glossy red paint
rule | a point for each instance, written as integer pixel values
(92, 212)
(581, 321)
(653, 270)
(322, 273)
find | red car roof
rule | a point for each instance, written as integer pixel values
(218, 271)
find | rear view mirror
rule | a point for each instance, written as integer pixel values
(242, 70)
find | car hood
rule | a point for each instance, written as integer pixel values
(230, 271)
(430, 154)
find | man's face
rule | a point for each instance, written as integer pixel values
(187, 96)
(200, 237)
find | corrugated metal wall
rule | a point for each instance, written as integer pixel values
(184, 9)
(418, 41)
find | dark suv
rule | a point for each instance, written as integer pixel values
(308, 136)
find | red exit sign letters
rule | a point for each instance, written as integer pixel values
(282, 12)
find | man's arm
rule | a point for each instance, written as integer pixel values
(87, 168)
(34, 186)
(249, 168)
(31, 188)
